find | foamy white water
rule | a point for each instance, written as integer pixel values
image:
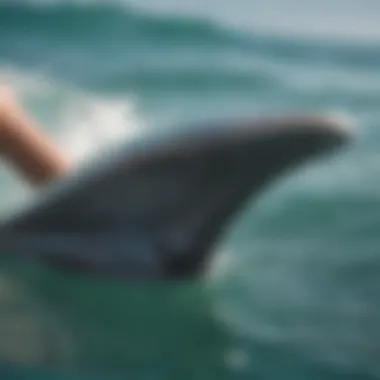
(81, 124)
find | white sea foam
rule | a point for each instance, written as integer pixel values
(79, 123)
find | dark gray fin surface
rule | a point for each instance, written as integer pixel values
(157, 210)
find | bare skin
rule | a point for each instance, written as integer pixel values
(26, 147)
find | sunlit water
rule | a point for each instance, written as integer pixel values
(293, 292)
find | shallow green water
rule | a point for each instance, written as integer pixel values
(293, 292)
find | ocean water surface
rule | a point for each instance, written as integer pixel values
(294, 289)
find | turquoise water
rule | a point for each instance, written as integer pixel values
(293, 292)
